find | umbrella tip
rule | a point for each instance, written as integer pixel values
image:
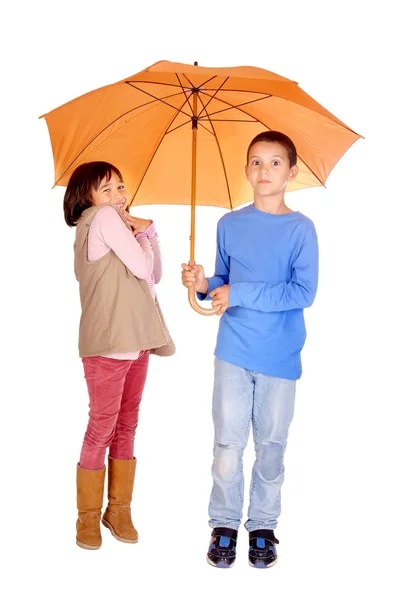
(195, 63)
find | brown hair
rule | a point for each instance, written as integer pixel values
(78, 192)
(280, 138)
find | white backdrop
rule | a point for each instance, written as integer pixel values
(338, 525)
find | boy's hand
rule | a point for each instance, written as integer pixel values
(220, 297)
(193, 274)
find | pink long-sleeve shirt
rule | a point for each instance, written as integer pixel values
(140, 254)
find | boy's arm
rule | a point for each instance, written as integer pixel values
(221, 273)
(299, 292)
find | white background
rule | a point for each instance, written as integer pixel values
(338, 527)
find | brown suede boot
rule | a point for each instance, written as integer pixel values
(117, 516)
(90, 494)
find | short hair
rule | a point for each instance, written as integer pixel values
(78, 192)
(280, 138)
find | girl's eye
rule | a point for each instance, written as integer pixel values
(121, 187)
(107, 190)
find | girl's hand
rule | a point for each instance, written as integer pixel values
(137, 225)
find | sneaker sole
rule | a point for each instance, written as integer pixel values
(219, 565)
(120, 539)
(262, 565)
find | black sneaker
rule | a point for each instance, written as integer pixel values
(262, 548)
(222, 549)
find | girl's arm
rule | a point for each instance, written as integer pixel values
(157, 259)
(109, 232)
(151, 234)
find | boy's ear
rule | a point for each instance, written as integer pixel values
(247, 170)
(293, 173)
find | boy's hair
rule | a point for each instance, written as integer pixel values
(78, 192)
(280, 138)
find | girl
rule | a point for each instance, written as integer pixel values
(117, 263)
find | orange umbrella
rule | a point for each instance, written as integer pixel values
(179, 134)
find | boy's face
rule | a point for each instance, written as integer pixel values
(268, 169)
(111, 191)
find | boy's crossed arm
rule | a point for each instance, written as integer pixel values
(299, 292)
(265, 297)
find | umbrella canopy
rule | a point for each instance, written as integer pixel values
(179, 133)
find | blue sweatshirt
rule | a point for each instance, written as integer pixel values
(271, 263)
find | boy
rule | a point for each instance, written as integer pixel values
(266, 274)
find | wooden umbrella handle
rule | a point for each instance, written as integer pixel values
(196, 306)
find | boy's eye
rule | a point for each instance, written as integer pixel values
(276, 163)
(256, 163)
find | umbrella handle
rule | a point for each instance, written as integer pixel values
(191, 291)
(196, 306)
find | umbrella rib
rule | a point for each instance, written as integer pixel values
(243, 92)
(178, 127)
(331, 117)
(198, 86)
(238, 105)
(104, 129)
(193, 88)
(208, 130)
(207, 80)
(215, 93)
(156, 149)
(258, 121)
(160, 99)
(221, 156)
(189, 81)
(153, 83)
(183, 89)
(230, 120)
(170, 84)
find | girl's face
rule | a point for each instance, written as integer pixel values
(110, 192)
(268, 169)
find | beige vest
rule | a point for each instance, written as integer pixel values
(118, 311)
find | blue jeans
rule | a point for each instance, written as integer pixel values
(242, 397)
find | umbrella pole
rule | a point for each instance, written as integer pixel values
(191, 291)
(193, 174)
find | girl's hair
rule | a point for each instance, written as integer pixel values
(280, 138)
(78, 192)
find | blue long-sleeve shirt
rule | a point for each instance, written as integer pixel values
(271, 263)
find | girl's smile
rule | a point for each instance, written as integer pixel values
(111, 191)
